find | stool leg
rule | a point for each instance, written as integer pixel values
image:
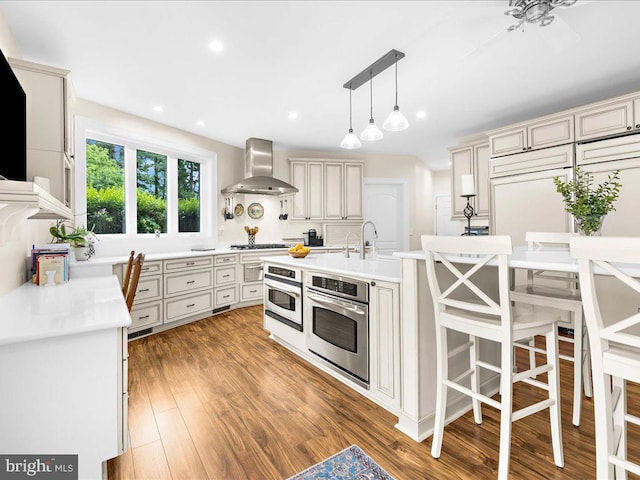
(577, 365)
(587, 382)
(474, 352)
(620, 424)
(442, 374)
(532, 355)
(553, 377)
(506, 409)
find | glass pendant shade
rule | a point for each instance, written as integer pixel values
(351, 141)
(396, 121)
(372, 132)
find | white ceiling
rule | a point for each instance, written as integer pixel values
(461, 65)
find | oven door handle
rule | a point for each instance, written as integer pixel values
(282, 288)
(336, 303)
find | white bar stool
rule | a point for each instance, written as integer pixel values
(559, 292)
(482, 317)
(615, 350)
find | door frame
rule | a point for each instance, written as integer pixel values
(403, 183)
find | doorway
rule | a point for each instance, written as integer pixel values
(385, 204)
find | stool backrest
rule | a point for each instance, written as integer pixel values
(135, 276)
(127, 274)
(618, 257)
(537, 240)
(487, 248)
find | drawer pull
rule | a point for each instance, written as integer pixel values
(191, 263)
(253, 291)
(226, 259)
(226, 276)
(190, 282)
(143, 317)
(143, 290)
(225, 296)
(145, 269)
(191, 305)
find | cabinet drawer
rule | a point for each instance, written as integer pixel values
(225, 275)
(177, 283)
(226, 296)
(534, 161)
(506, 143)
(149, 288)
(145, 316)
(609, 119)
(550, 133)
(608, 150)
(187, 263)
(148, 268)
(251, 291)
(226, 259)
(186, 306)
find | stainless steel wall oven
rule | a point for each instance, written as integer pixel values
(337, 318)
(283, 295)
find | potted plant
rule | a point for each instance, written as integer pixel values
(588, 205)
(79, 238)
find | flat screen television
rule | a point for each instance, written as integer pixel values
(13, 112)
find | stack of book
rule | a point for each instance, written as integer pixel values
(50, 261)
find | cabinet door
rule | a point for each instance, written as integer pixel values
(528, 203)
(636, 113)
(299, 180)
(353, 191)
(604, 120)
(481, 175)
(333, 193)
(461, 164)
(550, 133)
(512, 141)
(619, 148)
(315, 187)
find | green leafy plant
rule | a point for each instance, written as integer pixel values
(588, 205)
(76, 237)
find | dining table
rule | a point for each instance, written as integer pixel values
(417, 329)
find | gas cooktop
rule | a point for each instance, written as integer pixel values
(257, 246)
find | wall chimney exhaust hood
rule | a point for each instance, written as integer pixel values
(259, 172)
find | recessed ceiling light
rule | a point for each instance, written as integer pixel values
(216, 46)
(158, 108)
(200, 123)
(421, 114)
(293, 115)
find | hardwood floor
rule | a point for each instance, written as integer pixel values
(217, 399)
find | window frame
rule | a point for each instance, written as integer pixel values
(208, 160)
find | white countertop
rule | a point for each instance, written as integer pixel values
(81, 305)
(384, 268)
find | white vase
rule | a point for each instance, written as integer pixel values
(81, 253)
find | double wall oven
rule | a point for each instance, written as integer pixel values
(337, 323)
(283, 295)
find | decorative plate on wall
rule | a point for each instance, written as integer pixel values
(239, 210)
(255, 211)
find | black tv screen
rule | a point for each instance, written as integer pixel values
(13, 111)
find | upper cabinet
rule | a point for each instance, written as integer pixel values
(472, 159)
(49, 125)
(328, 189)
(604, 119)
(547, 132)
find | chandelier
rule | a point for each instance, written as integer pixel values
(534, 11)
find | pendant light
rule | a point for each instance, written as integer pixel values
(351, 140)
(372, 132)
(396, 121)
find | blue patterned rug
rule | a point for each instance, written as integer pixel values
(349, 464)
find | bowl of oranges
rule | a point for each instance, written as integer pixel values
(299, 251)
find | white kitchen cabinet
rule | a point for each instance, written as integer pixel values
(146, 315)
(49, 125)
(149, 289)
(187, 305)
(619, 148)
(250, 292)
(181, 264)
(534, 161)
(546, 132)
(473, 160)
(528, 202)
(607, 118)
(343, 191)
(187, 282)
(384, 315)
(307, 177)
(226, 296)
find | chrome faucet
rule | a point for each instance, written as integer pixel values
(346, 247)
(375, 235)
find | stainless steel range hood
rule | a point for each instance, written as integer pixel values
(259, 172)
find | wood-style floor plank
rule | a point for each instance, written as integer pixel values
(229, 403)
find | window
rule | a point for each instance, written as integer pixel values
(105, 187)
(132, 185)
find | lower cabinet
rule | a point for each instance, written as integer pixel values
(226, 296)
(187, 305)
(146, 315)
(251, 291)
(384, 335)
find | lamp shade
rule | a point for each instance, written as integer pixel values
(351, 141)
(372, 132)
(396, 121)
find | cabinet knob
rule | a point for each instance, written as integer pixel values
(524, 149)
(528, 148)
(638, 125)
(629, 128)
